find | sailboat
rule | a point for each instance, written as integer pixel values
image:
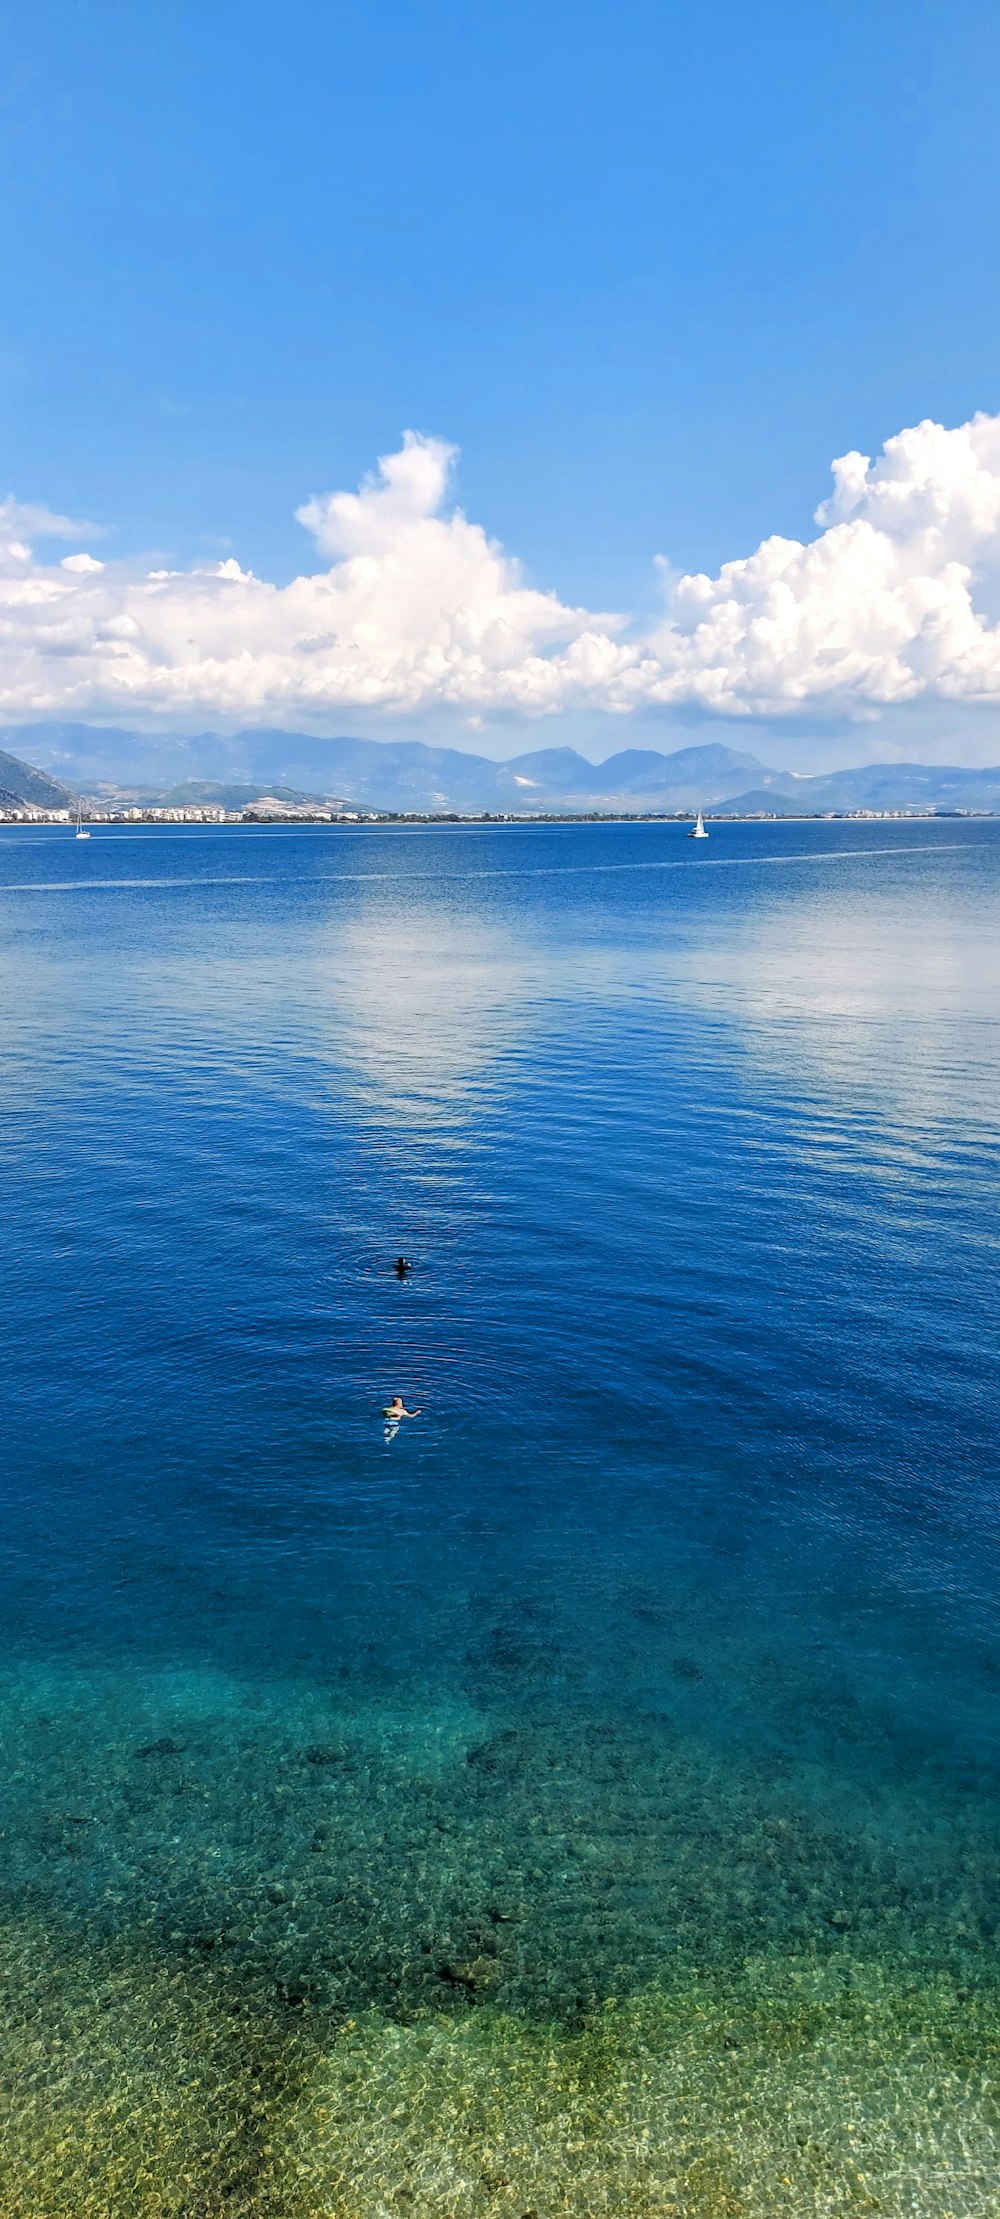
(82, 830)
(698, 831)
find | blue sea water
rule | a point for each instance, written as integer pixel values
(637, 1701)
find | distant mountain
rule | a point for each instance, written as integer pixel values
(932, 786)
(408, 775)
(21, 782)
(388, 774)
(639, 778)
(201, 793)
(906, 786)
(767, 801)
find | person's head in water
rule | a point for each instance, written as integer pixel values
(402, 1267)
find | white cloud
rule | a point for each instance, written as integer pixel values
(880, 609)
(30, 520)
(417, 609)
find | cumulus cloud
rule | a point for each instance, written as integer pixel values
(880, 609)
(414, 607)
(417, 607)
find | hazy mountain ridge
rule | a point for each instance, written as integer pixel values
(410, 775)
(385, 774)
(875, 786)
(21, 783)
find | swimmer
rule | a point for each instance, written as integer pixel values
(402, 1266)
(395, 1410)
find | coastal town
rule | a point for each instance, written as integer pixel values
(277, 812)
(260, 812)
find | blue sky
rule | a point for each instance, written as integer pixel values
(649, 268)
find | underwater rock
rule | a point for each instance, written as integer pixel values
(504, 1752)
(206, 1940)
(473, 1973)
(298, 1990)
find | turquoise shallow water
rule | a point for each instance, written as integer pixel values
(586, 1801)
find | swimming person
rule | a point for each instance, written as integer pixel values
(402, 1266)
(396, 1410)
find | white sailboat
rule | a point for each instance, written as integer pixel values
(82, 830)
(698, 831)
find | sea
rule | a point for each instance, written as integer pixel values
(583, 1798)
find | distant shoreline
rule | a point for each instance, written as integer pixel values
(354, 820)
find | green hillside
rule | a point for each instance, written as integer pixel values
(21, 782)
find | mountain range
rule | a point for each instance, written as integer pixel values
(21, 782)
(409, 775)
